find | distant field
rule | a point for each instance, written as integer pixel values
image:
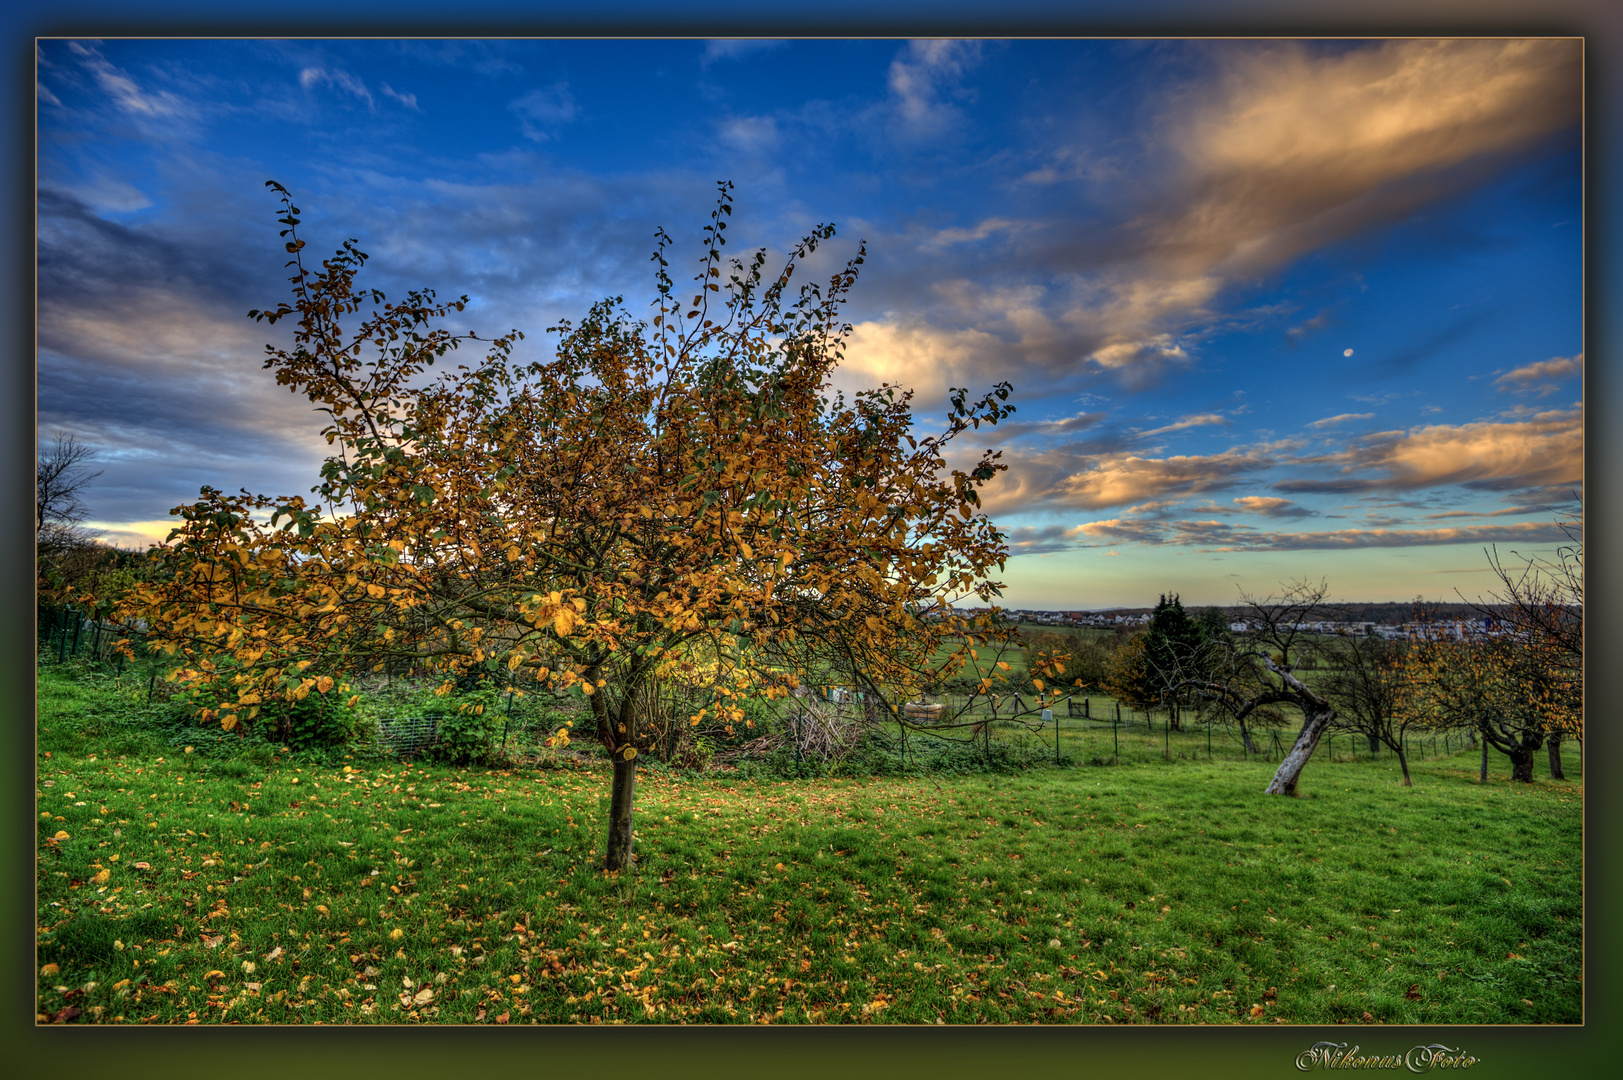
(174, 889)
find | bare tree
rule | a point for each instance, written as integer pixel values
(60, 477)
(1367, 685)
(1257, 672)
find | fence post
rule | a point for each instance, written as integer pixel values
(1166, 738)
(1050, 714)
(1115, 735)
(1085, 714)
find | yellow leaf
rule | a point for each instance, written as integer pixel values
(1038, 683)
(101, 877)
(228, 721)
(324, 683)
(563, 622)
(630, 752)
(396, 934)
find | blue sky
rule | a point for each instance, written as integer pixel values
(1272, 309)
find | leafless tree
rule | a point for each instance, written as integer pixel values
(1367, 684)
(1257, 673)
(60, 477)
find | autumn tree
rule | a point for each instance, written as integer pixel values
(1489, 684)
(678, 497)
(1540, 604)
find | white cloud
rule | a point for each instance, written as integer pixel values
(350, 84)
(921, 76)
(737, 48)
(544, 109)
(1341, 418)
(125, 92)
(408, 100)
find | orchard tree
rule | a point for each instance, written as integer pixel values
(673, 498)
(1257, 673)
(1492, 685)
(1541, 605)
(1369, 685)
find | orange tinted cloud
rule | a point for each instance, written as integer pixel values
(1542, 452)
(1541, 376)
(1296, 146)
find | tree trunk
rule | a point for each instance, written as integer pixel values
(620, 819)
(1484, 761)
(1374, 744)
(1290, 769)
(1555, 757)
(1521, 764)
(1403, 763)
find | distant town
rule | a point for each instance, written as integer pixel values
(1381, 619)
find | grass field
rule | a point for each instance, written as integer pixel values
(175, 888)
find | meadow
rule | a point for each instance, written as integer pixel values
(262, 886)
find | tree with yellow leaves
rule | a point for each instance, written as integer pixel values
(668, 495)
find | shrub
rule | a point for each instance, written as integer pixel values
(467, 731)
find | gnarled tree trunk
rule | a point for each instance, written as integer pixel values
(1555, 757)
(1290, 769)
(1521, 763)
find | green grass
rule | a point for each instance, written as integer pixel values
(260, 888)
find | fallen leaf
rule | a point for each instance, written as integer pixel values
(1256, 1010)
(213, 942)
(273, 954)
(142, 866)
(423, 996)
(501, 1018)
(1368, 1019)
(49, 969)
(65, 1013)
(1413, 993)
